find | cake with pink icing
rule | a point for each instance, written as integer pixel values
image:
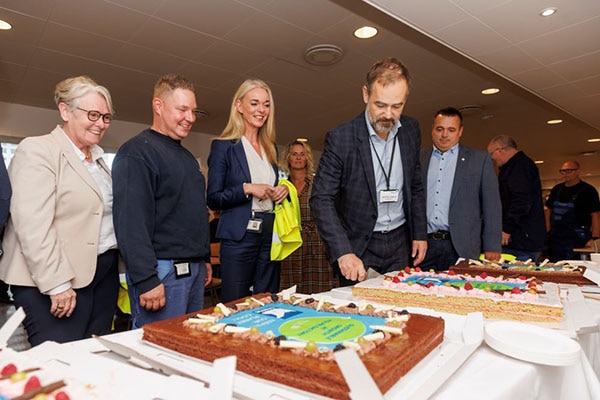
(518, 298)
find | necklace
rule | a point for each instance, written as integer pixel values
(88, 156)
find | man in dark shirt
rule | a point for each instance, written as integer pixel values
(573, 215)
(159, 210)
(523, 225)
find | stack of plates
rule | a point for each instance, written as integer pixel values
(532, 343)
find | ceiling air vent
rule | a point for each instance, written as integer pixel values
(470, 110)
(323, 54)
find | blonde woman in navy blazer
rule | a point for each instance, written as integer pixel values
(242, 183)
(60, 250)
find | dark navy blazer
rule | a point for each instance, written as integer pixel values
(344, 195)
(227, 172)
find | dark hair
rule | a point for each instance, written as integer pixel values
(450, 112)
(386, 71)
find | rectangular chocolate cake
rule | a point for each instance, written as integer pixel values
(291, 340)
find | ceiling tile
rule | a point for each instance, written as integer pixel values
(100, 17)
(510, 60)
(213, 17)
(146, 6)
(579, 67)
(143, 59)
(546, 48)
(173, 39)
(83, 44)
(461, 36)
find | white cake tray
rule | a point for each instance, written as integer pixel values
(463, 334)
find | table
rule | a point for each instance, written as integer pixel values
(485, 373)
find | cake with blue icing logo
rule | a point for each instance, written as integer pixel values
(291, 338)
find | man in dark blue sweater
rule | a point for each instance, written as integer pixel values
(160, 213)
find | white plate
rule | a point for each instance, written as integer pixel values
(531, 343)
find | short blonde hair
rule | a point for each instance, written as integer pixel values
(235, 124)
(284, 163)
(70, 89)
(171, 82)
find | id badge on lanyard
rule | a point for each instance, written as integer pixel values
(254, 224)
(389, 196)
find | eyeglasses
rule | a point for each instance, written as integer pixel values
(95, 115)
(567, 170)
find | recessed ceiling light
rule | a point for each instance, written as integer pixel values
(539, 161)
(594, 140)
(589, 153)
(365, 32)
(554, 121)
(490, 91)
(546, 12)
(302, 139)
(5, 25)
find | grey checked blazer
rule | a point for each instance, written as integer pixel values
(344, 196)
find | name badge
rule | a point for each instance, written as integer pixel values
(254, 225)
(182, 270)
(389, 196)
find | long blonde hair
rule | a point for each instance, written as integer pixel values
(235, 125)
(284, 162)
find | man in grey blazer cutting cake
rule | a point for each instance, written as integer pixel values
(464, 212)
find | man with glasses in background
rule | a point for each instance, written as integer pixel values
(523, 226)
(573, 214)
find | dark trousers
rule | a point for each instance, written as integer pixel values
(94, 311)
(246, 265)
(440, 255)
(386, 252)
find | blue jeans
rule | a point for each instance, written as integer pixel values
(183, 295)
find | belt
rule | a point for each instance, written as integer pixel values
(384, 232)
(439, 235)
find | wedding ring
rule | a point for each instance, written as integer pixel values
(60, 307)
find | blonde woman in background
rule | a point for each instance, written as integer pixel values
(307, 267)
(60, 247)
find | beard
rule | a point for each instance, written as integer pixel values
(382, 125)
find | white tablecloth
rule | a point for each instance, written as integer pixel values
(485, 373)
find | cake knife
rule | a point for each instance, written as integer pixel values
(134, 356)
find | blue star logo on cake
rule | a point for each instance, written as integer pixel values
(277, 312)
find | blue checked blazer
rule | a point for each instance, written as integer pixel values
(475, 217)
(344, 195)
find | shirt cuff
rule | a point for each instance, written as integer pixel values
(59, 289)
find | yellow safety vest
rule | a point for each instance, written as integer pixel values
(287, 236)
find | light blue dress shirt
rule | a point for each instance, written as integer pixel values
(440, 177)
(389, 215)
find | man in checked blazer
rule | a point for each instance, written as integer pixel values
(464, 212)
(368, 200)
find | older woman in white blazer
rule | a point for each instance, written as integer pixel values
(60, 249)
